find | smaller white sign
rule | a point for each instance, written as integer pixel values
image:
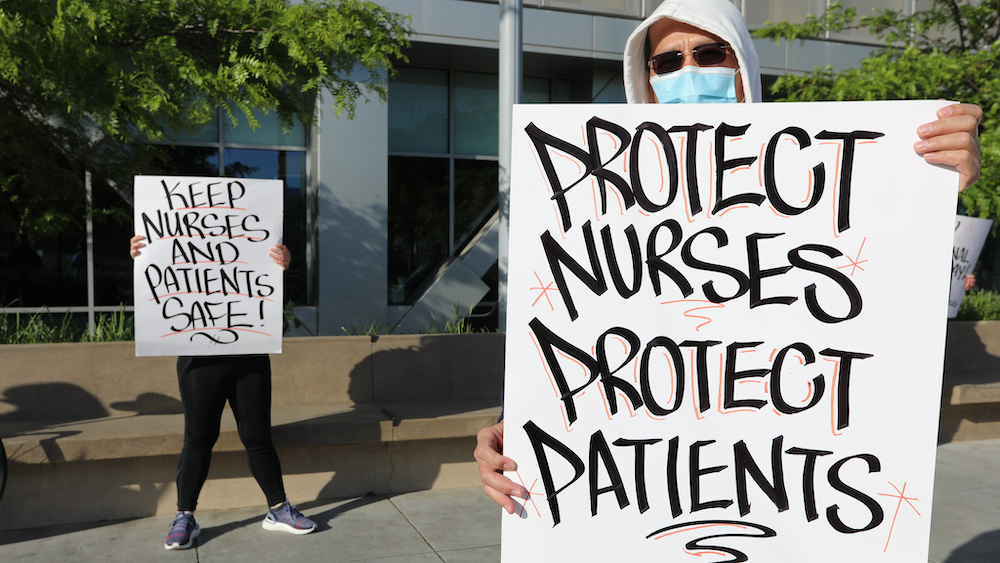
(205, 284)
(970, 235)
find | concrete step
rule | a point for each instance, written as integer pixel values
(124, 467)
(970, 398)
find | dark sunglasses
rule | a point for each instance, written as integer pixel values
(705, 55)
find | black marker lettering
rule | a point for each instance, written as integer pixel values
(874, 466)
(597, 166)
(771, 185)
(846, 171)
(557, 257)
(640, 467)
(745, 464)
(721, 202)
(539, 439)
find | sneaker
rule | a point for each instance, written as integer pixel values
(287, 518)
(182, 532)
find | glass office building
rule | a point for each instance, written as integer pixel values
(400, 202)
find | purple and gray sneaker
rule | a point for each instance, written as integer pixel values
(182, 532)
(287, 518)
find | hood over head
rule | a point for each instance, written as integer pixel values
(718, 17)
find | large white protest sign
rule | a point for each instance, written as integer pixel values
(726, 330)
(205, 283)
(970, 235)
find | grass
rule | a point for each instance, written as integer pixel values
(36, 328)
(119, 326)
(458, 325)
(46, 328)
(373, 326)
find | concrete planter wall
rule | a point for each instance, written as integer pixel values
(973, 346)
(351, 415)
(55, 380)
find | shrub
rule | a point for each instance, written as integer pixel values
(979, 305)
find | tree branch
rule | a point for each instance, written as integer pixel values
(996, 21)
(958, 22)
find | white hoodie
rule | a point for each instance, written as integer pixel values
(718, 17)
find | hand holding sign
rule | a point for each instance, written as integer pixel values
(492, 462)
(953, 140)
(279, 252)
(135, 244)
(281, 256)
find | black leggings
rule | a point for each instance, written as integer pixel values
(206, 383)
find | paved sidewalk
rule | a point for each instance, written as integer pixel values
(458, 526)
(965, 527)
(454, 526)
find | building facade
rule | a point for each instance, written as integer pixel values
(391, 217)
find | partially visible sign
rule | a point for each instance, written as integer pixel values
(970, 235)
(205, 283)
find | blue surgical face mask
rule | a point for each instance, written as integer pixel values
(696, 85)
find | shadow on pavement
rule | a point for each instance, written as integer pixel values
(984, 548)
(322, 519)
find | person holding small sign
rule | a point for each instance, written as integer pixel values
(700, 51)
(206, 383)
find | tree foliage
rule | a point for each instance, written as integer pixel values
(950, 49)
(84, 83)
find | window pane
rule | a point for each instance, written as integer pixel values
(418, 110)
(758, 13)
(289, 166)
(418, 221)
(608, 87)
(187, 161)
(42, 271)
(112, 265)
(616, 7)
(477, 111)
(535, 90)
(562, 91)
(475, 196)
(268, 132)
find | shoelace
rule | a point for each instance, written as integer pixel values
(296, 515)
(180, 523)
(293, 511)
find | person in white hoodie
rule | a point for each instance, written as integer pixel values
(701, 51)
(698, 51)
(701, 44)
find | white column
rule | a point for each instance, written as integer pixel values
(91, 318)
(510, 94)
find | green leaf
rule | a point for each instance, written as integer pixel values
(134, 69)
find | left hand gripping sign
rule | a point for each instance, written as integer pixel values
(205, 283)
(726, 330)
